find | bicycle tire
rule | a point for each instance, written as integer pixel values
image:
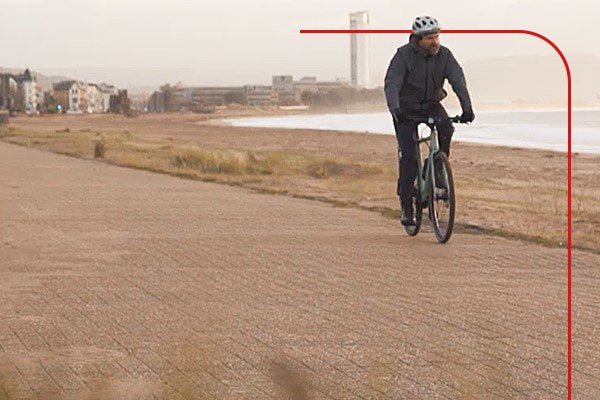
(442, 206)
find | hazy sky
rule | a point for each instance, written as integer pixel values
(146, 42)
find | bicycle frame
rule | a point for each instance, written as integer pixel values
(424, 184)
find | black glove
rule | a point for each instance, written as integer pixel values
(398, 114)
(467, 116)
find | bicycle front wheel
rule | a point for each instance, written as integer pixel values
(442, 199)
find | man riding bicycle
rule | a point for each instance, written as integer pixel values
(414, 88)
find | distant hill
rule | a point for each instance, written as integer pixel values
(43, 80)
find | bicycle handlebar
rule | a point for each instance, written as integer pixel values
(431, 120)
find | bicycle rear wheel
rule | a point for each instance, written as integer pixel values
(441, 199)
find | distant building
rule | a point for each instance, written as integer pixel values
(29, 89)
(359, 50)
(156, 102)
(283, 91)
(71, 96)
(216, 96)
(41, 97)
(77, 97)
(311, 83)
(289, 91)
(61, 92)
(256, 95)
(183, 98)
(19, 92)
(105, 91)
(94, 103)
(8, 92)
(283, 85)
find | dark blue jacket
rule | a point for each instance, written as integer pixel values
(414, 82)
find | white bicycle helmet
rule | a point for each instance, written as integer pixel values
(425, 25)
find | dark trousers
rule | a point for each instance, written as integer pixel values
(406, 132)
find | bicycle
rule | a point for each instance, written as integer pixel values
(434, 185)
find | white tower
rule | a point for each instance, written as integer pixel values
(359, 50)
